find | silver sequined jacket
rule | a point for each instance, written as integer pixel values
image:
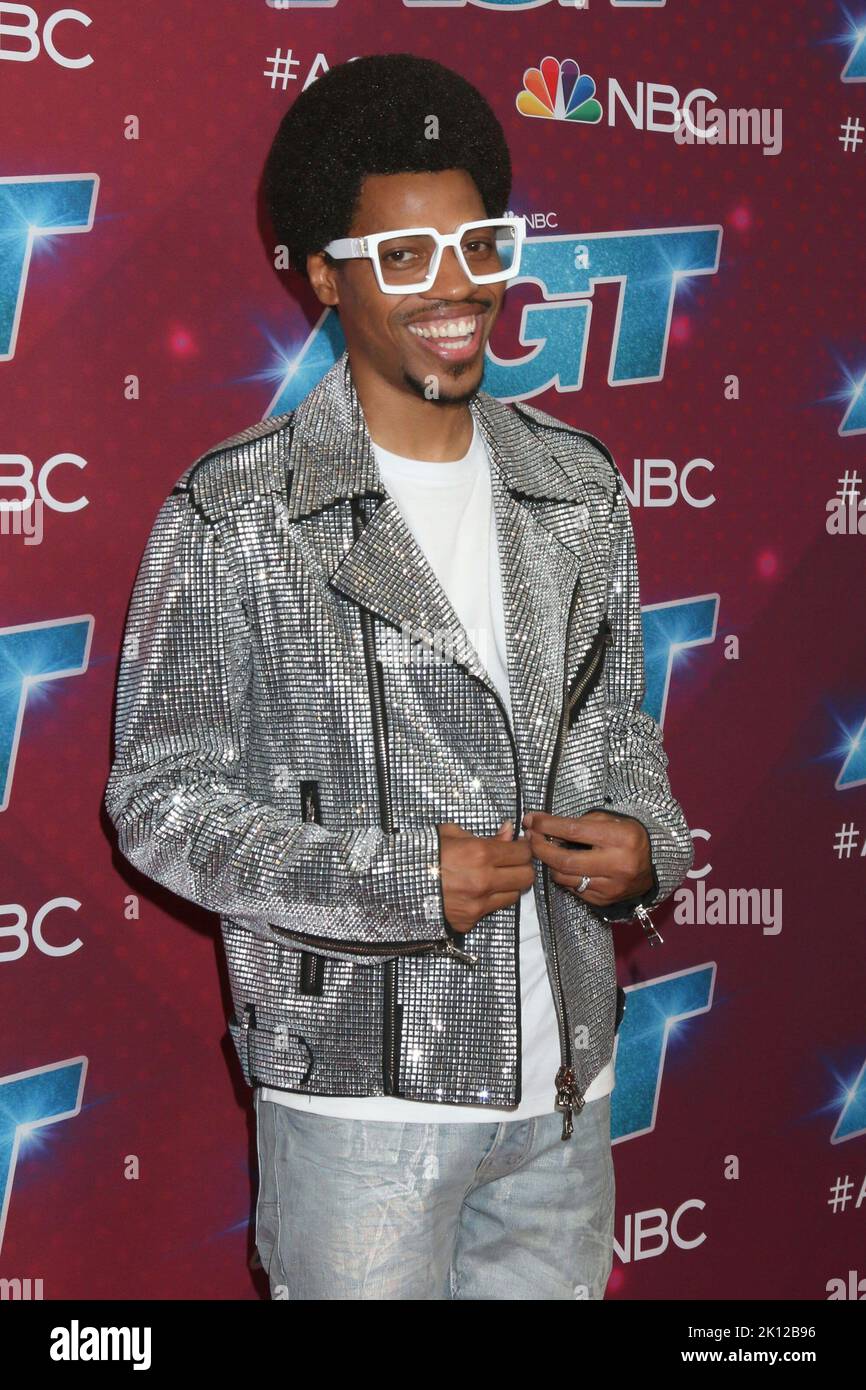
(298, 707)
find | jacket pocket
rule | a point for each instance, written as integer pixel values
(587, 678)
(312, 964)
(312, 967)
(373, 951)
(272, 1056)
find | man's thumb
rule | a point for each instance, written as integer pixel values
(505, 831)
(450, 829)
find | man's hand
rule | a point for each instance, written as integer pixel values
(481, 873)
(618, 853)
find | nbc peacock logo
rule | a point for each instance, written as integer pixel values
(559, 91)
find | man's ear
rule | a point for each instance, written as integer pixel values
(323, 277)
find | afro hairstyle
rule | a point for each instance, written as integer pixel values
(369, 116)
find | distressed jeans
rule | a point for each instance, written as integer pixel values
(357, 1209)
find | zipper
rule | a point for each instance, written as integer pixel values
(568, 1096)
(518, 820)
(250, 1022)
(391, 1015)
(585, 681)
(378, 948)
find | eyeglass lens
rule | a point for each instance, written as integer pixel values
(487, 251)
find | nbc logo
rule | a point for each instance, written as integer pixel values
(559, 91)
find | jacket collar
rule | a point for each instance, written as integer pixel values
(332, 458)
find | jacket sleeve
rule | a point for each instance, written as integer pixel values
(176, 792)
(638, 783)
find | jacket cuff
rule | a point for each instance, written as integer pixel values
(626, 907)
(447, 929)
(418, 865)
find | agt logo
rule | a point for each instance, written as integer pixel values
(559, 91)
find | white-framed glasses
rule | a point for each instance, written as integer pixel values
(407, 261)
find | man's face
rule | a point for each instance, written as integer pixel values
(384, 331)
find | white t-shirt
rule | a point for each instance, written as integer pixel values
(449, 510)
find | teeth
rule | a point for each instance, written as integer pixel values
(462, 329)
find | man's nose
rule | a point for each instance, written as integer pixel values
(451, 281)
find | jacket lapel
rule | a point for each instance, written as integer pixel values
(387, 571)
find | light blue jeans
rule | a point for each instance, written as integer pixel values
(356, 1209)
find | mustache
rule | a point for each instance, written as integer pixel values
(468, 307)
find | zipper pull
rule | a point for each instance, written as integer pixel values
(568, 1099)
(646, 922)
(450, 949)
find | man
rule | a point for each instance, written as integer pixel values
(383, 672)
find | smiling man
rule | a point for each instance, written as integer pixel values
(380, 709)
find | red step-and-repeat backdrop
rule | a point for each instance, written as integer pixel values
(692, 293)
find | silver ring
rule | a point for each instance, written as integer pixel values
(584, 884)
